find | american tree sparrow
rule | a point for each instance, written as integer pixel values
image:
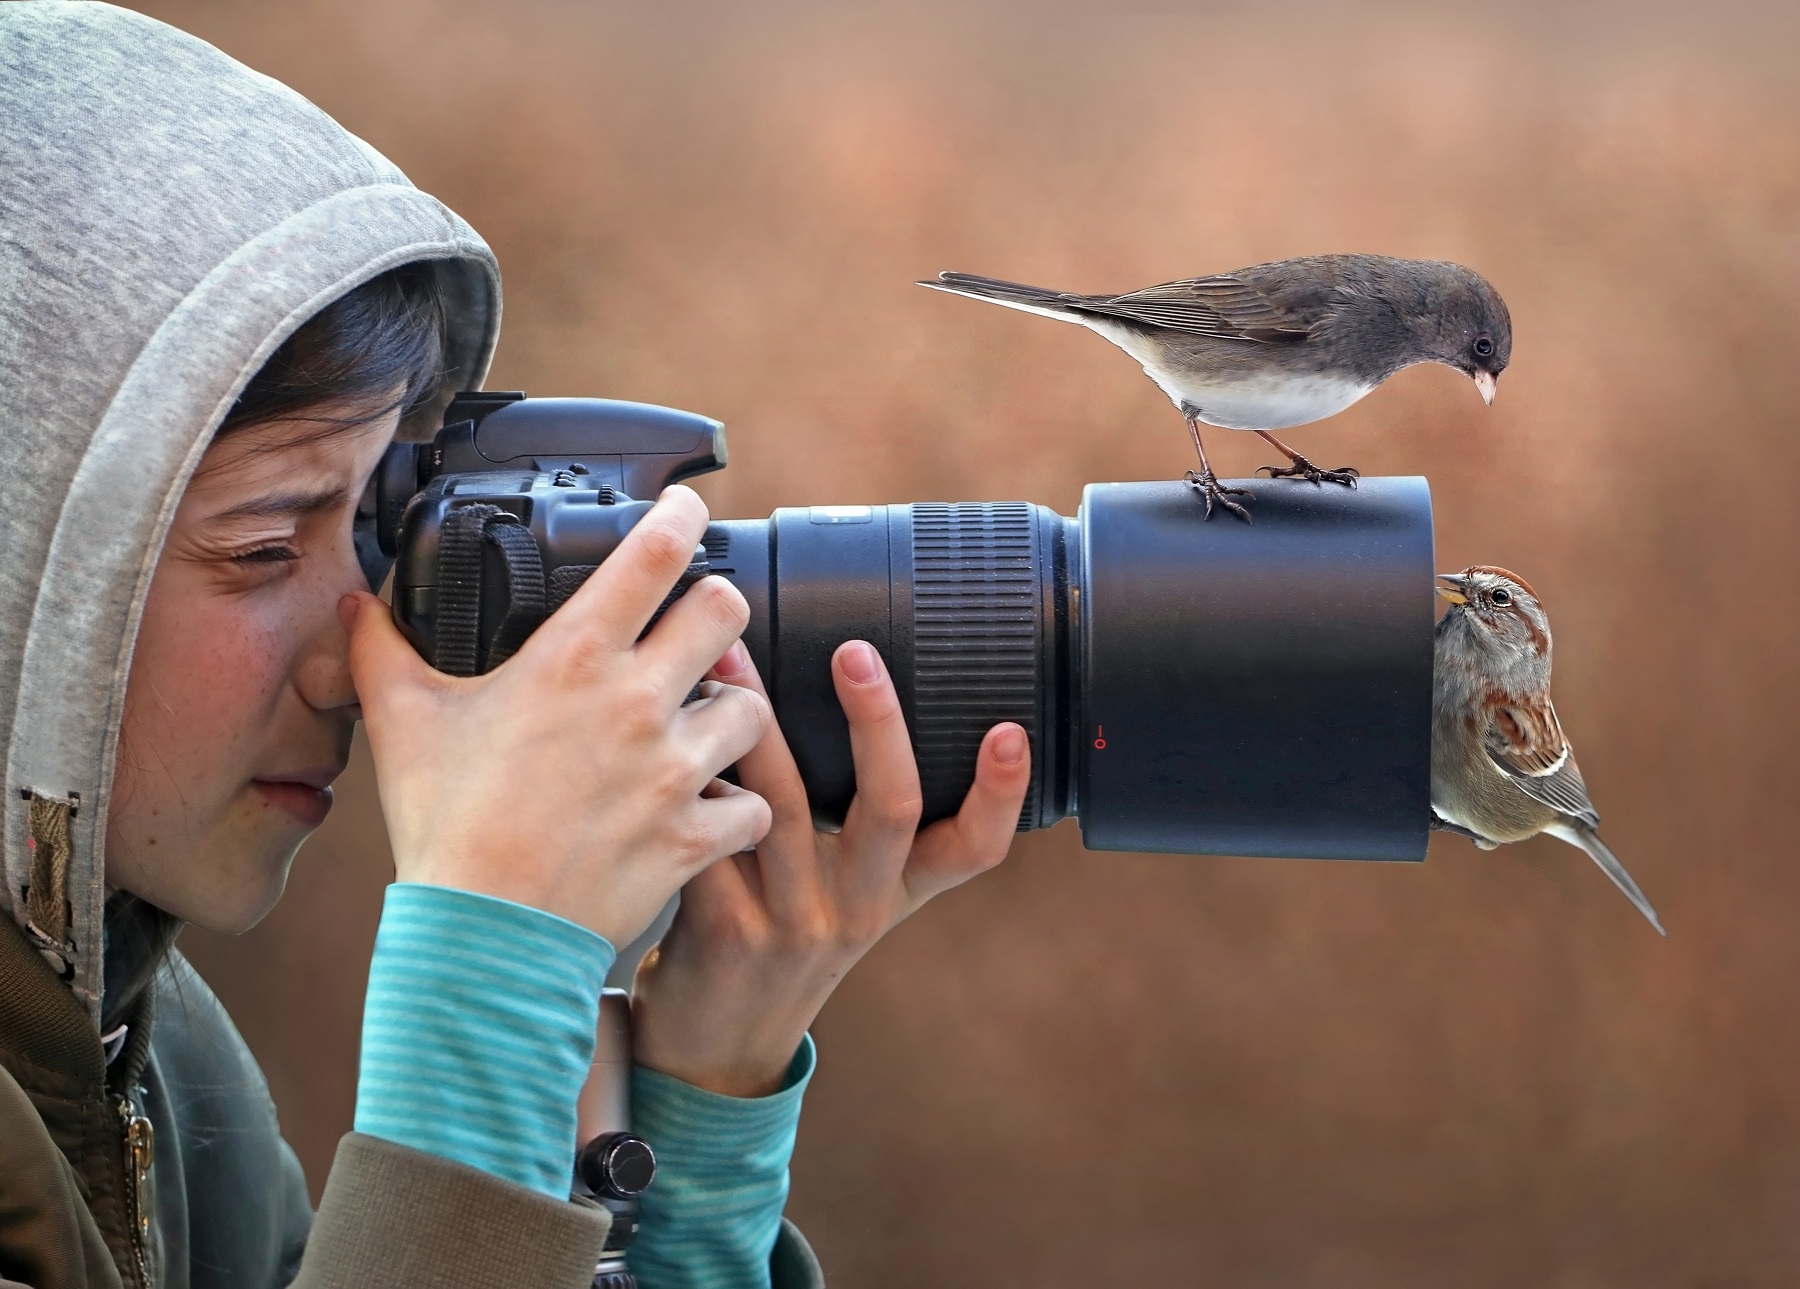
(1501, 767)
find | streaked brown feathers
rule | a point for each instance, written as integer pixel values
(1524, 739)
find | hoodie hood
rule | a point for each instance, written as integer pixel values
(167, 218)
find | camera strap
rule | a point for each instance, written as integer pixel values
(462, 541)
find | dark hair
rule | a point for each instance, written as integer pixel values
(139, 937)
(375, 348)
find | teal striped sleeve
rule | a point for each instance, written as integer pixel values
(478, 1031)
(710, 1218)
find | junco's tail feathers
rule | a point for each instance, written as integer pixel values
(1579, 834)
(1014, 295)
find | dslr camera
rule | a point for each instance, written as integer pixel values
(1188, 687)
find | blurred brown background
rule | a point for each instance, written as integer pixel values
(1111, 1069)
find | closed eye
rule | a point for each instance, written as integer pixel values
(279, 553)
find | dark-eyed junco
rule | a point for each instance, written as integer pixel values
(1501, 767)
(1283, 344)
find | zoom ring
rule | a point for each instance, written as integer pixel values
(975, 638)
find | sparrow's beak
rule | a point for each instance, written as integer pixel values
(1453, 592)
(1487, 383)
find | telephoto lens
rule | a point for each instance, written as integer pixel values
(1188, 687)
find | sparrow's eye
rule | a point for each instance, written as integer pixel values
(1502, 596)
(1484, 347)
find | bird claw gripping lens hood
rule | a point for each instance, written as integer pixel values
(1188, 687)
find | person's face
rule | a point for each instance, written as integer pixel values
(239, 708)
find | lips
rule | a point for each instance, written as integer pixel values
(304, 794)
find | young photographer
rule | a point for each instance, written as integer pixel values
(218, 309)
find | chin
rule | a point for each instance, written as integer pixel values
(237, 896)
(238, 918)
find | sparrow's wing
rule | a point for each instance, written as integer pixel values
(1222, 306)
(1526, 740)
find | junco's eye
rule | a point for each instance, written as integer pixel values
(1484, 347)
(1502, 596)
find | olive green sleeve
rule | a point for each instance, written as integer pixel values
(396, 1218)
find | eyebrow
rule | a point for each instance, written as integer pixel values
(280, 505)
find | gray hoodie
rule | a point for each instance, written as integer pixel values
(167, 218)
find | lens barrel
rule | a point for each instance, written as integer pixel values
(1256, 689)
(1188, 686)
(963, 602)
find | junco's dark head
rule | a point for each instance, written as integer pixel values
(1462, 322)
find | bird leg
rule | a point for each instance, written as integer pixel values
(1304, 469)
(1207, 484)
(1441, 824)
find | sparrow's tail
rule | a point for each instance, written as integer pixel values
(1579, 834)
(1014, 295)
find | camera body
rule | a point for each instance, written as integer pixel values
(1188, 687)
(525, 461)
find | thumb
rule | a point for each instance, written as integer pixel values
(381, 659)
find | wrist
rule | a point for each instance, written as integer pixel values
(745, 1079)
(741, 1083)
(702, 1048)
(616, 922)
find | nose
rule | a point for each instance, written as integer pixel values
(322, 673)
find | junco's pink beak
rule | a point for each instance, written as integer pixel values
(1487, 383)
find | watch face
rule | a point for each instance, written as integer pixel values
(616, 1166)
(630, 1167)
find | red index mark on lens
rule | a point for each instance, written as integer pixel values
(1099, 730)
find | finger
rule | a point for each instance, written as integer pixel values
(611, 608)
(978, 836)
(696, 630)
(744, 861)
(722, 826)
(786, 865)
(731, 884)
(383, 664)
(718, 728)
(768, 769)
(718, 897)
(885, 811)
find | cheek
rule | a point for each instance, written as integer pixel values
(204, 684)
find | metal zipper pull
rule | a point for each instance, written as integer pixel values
(140, 1153)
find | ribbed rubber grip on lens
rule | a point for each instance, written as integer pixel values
(975, 639)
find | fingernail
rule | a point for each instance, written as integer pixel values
(861, 664)
(1009, 745)
(735, 662)
(347, 610)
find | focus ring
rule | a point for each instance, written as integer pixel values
(975, 639)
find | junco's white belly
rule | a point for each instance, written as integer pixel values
(1272, 402)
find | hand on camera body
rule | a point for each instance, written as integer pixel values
(762, 938)
(572, 779)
